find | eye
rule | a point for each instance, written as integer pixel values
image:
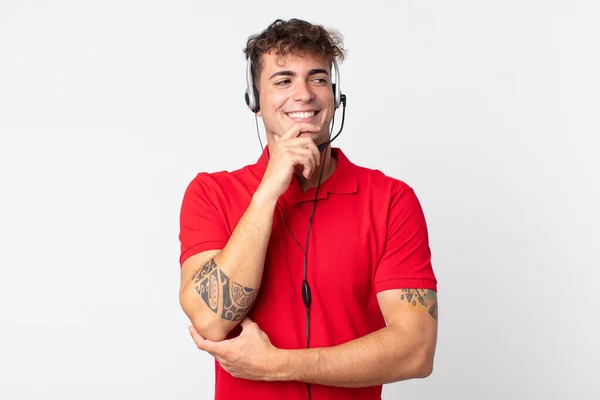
(282, 82)
(320, 81)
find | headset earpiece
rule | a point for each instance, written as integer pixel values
(256, 98)
(251, 95)
(337, 92)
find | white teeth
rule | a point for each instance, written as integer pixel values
(308, 114)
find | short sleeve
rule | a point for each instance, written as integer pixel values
(201, 225)
(406, 259)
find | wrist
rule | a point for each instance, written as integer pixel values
(263, 197)
(281, 369)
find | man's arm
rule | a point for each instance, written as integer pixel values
(404, 349)
(218, 288)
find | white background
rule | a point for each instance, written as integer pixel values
(109, 108)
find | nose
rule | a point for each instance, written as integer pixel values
(303, 92)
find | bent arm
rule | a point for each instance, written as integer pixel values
(218, 287)
(402, 350)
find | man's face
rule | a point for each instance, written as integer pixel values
(298, 89)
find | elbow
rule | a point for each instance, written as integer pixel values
(423, 363)
(210, 330)
(424, 370)
(208, 326)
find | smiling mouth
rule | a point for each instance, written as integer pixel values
(302, 115)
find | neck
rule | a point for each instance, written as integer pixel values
(328, 165)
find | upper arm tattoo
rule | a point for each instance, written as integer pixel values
(221, 295)
(425, 297)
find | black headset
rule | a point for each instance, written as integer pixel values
(252, 101)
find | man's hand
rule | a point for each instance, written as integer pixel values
(291, 153)
(249, 356)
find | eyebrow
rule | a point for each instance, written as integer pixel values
(313, 71)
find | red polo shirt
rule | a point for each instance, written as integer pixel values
(368, 235)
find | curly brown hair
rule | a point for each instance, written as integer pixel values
(296, 37)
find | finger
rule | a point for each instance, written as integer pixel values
(305, 142)
(201, 343)
(303, 157)
(198, 339)
(297, 128)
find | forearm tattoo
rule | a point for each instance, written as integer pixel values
(222, 296)
(426, 298)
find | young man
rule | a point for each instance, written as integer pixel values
(257, 241)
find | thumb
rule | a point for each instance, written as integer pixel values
(246, 323)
